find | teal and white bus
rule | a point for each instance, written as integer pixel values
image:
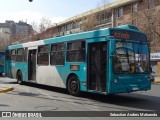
(105, 61)
(2, 56)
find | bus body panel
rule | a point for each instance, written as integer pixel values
(65, 71)
(130, 83)
(49, 75)
(12, 71)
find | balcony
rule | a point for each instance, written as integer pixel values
(105, 22)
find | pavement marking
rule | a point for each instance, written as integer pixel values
(6, 89)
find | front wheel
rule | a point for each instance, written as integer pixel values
(73, 86)
(19, 77)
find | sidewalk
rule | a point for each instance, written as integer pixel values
(156, 79)
(6, 84)
(5, 88)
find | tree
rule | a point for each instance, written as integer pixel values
(147, 23)
(89, 22)
(35, 27)
(40, 30)
(44, 24)
(96, 17)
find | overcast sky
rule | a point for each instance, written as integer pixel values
(55, 10)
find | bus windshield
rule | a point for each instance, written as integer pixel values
(131, 58)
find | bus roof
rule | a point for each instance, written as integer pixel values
(76, 36)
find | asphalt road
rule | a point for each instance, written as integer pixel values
(44, 98)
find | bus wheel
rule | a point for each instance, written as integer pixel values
(19, 77)
(73, 86)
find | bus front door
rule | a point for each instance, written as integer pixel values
(97, 61)
(32, 65)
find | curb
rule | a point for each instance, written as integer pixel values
(6, 89)
(156, 82)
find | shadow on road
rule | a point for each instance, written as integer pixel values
(130, 100)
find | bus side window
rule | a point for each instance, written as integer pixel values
(43, 56)
(20, 55)
(13, 55)
(57, 54)
(76, 51)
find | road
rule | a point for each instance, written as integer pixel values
(45, 98)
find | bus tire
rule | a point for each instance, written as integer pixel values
(19, 77)
(73, 86)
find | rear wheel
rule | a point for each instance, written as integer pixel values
(73, 86)
(19, 77)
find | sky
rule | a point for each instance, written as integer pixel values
(55, 10)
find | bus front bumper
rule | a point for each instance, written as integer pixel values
(123, 88)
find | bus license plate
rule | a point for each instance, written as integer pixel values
(135, 88)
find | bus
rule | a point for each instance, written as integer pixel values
(104, 61)
(2, 56)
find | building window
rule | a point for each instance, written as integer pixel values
(13, 55)
(76, 25)
(57, 54)
(20, 55)
(134, 8)
(120, 12)
(151, 4)
(69, 26)
(43, 56)
(76, 51)
(103, 19)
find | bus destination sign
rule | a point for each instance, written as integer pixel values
(127, 35)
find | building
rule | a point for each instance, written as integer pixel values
(15, 31)
(145, 14)
(136, 12)
(21, 31)
(5, 34)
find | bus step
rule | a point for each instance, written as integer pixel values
(32, 81)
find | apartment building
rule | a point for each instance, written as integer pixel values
(4, 36)
(142, 13)
(17, 31)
